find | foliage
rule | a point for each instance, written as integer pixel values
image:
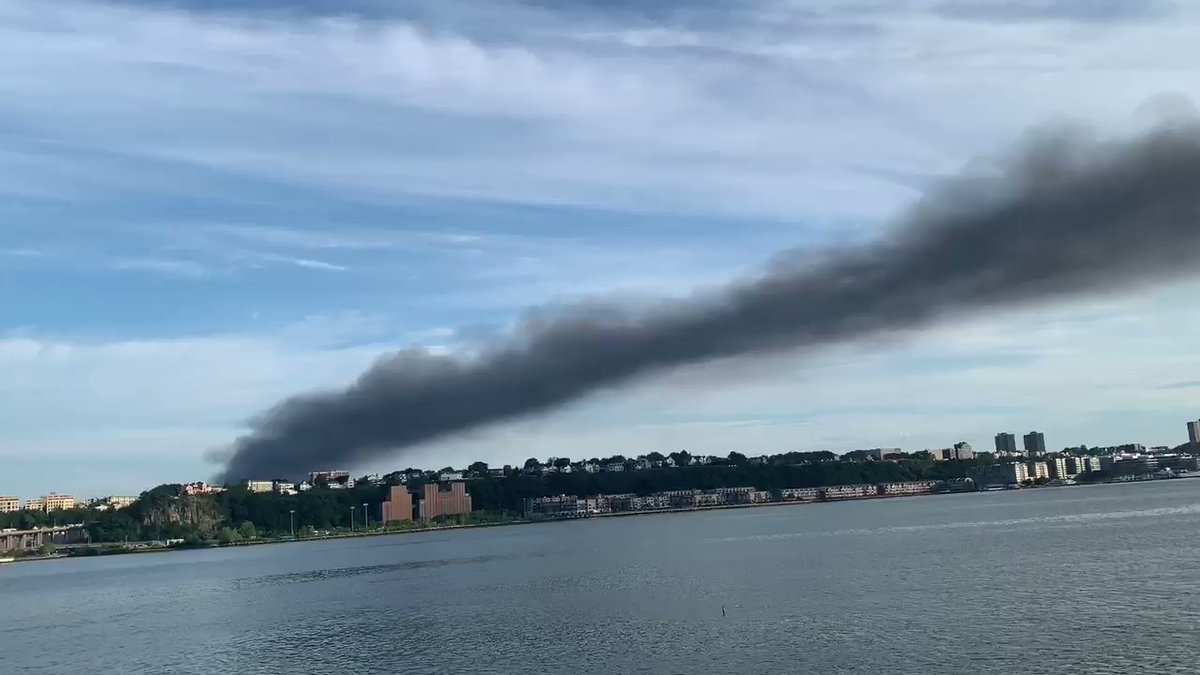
(248, 530)
(228, 535)
(47, 548)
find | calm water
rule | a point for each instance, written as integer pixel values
(1073, 580)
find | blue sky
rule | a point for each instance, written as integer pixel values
(207, 206)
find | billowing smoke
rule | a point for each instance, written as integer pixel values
(1063, 216)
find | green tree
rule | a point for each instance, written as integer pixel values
(248, 530)
(228, 535)
(532, 463)
(737, 458)
(48, 548)
(655, 456)
(681, 458)
(307, 531)
(479, 469)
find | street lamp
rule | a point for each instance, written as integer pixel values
(351, 518)
(366, 519)
(292, 512)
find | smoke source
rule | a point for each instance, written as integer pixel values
(1063, 216)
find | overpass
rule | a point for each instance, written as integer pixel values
(30, 540)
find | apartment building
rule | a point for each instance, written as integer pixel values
(398, 507)
(444, 499)
(10, 504)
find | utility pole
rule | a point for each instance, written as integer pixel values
(351, 518)
(292, 513)
(366, 518)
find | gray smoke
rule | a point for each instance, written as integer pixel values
(1063, 216)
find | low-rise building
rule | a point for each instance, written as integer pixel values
(10, 504)
(848, 491)
(284, 487)
(614, 466)
(800, 494)
(50, 502)
(118, 501)
(260, 485)
(914, 487)
(200, 488)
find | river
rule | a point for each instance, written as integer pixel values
(1069, 580)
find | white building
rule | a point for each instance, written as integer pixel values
(800, 494)
(1038, 470)
(614, 466)
(260, 485)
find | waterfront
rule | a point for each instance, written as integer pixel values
(1091, 580)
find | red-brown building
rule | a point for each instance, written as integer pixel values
(445, 499)
(399, 505)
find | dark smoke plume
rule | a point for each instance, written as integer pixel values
(1063, 217)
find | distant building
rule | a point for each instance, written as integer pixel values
(398, 507)
(849, 491)
(614, 466)
(50, 502)
(1006, 444)
(118, 501)
(1038, 470)
(444, 499)
(10, 504)
(882, 453)
(914, 487)
(260, 485)
(1194, 435)
(1058, 468)
(800, 494)
(200, 488)
(1035, 444)
(1076, 465)
(330, 477)
(283, 487)
(450, 476)
(963, 450)
(1006, 474)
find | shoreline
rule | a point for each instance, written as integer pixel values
(111, 549)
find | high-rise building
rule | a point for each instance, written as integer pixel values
(1035, 444)
(445, 499)
(1194, 435)
(1006, 444)
(1038, 470)
(398, 507)
(1058, 468)
(10, 504)
(963, 450)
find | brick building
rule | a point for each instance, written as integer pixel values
(398, 507)
(445, 499)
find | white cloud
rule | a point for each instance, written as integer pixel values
(785, 114)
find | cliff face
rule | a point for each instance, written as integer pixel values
(200, 513)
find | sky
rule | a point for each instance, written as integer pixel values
(206, 206)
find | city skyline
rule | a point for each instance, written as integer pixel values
(167, 272)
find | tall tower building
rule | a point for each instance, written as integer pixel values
(1006, 443)
(1035, 444)
(1194, 435)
